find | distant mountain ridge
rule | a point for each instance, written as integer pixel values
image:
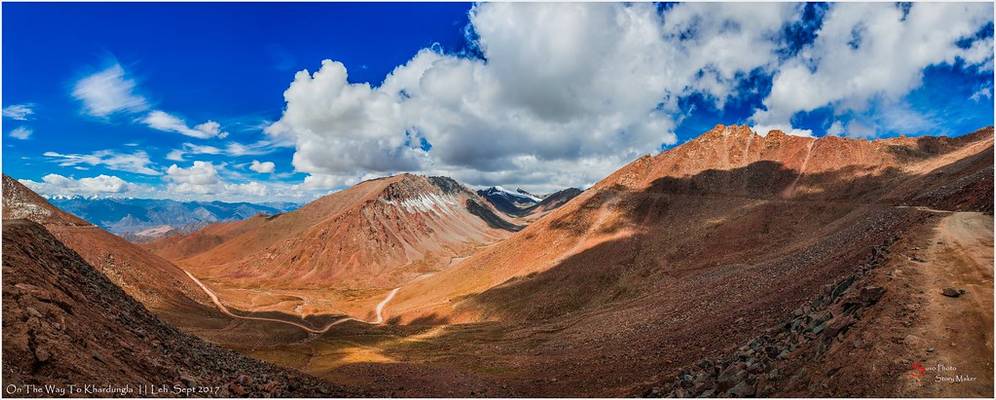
(144, 219)
(521, 203)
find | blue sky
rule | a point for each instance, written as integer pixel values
(187, 100)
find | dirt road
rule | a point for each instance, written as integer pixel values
(380, 306)
(217, 302)
(959, 330)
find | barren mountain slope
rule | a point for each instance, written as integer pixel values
(179, 247)
(676, 258)
(554, 200)
(21, 202)
(157, 283)
(66, 323)
(725, 175)
(374, 235)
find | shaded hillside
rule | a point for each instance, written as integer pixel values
(554, 200)
(727, 174)
(155, 282)
(66, 323)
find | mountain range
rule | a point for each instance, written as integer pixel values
(736, 264)
(147, 219)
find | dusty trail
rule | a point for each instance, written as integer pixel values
(380, 306)
(960, 256)
(217, 302)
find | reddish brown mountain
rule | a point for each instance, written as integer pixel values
(20, 202)
(692, 252)
(727, 174)
(733, 265)
(65, 323)
(157, 283)
(376, 234)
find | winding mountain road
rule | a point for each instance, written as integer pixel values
(221, 307)
(380, 306)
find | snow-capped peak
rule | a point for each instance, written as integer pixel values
(529, 195)
(515, 196)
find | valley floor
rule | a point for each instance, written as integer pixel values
(913, 326)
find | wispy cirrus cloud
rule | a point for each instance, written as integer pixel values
(167, 122)
(986, 91)
(19, 112)
(252, 149)
(234, 149)
(137, 162)
(190, 148)
(109, 91)
(112, 91)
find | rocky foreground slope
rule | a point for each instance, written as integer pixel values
(154, 281)
(65, 323)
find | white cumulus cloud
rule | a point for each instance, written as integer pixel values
(255, 189)
(763, 130)
(201, 177)
(265, 167)
(873, 52)
(559, 86)
(206, 180)
(22, 133)
(100, 185)
(200, 181)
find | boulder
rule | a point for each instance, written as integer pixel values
(871, 294)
